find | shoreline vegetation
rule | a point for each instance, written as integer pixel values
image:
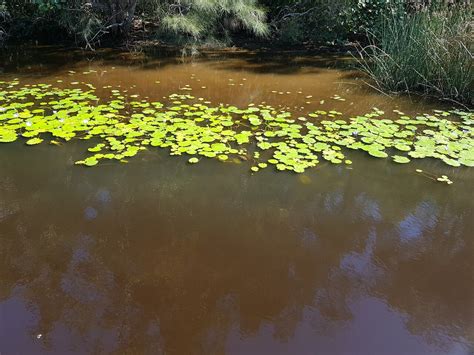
(403, 47)
(429, 52)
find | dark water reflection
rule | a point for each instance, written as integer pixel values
(158, 257)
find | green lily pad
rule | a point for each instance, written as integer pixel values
(123, 125)
(34, 141)
(400, 159)
(377, 153)
(91, 161)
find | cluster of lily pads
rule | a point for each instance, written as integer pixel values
(122, 125)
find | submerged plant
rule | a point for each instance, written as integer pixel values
(184, 125)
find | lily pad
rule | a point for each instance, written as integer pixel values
(34, 141)
(400, 159)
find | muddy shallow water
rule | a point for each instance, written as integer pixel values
(156, 256)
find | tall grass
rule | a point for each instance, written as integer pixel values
(429, 51)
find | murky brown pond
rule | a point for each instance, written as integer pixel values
(156, 256)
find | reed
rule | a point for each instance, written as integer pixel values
(428, 51)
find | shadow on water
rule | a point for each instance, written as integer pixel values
(48, 60)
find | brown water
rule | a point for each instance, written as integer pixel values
(157, 256)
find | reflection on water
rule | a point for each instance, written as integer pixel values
(156, 256)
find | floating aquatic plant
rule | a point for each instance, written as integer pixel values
(184, 125)
(442, 178)
(445, 179)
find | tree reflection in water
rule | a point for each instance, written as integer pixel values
(151, 258)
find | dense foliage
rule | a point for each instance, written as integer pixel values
(90, 22)
(289, 21)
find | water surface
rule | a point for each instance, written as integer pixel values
(156, 256)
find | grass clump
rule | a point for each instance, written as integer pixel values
(429, 51)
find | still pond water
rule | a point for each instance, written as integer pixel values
(160, 257)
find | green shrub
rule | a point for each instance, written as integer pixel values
(211, 21)
(319, 21)
(327, 21)
(366, 16)
(189, 21)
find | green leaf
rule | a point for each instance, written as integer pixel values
(34, 141)
(400, 159)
